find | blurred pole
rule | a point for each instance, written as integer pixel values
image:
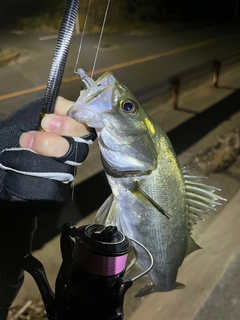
(236, 10)
(216, 72)
(175, 84)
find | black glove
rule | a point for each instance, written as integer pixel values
(28, 176)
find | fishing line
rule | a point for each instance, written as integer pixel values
(100, 38)
(72, 197)
(83, 33)
(75, 71)
(73, 183)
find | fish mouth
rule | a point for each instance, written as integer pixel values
(95, 88)
(85, 115)
(95, 99)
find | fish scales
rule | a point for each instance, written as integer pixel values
(149, 201)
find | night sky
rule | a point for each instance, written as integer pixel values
(143, 10)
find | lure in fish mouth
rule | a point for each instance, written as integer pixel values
(154, 200)
(93, 100)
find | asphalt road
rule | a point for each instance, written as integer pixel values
(140, 60)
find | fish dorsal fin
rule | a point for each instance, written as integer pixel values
(103, 211)
(191, 246)
(146, 200)
(200, 197)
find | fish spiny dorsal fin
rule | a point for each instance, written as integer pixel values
(200, 197)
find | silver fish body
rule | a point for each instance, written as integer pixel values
(153, 200)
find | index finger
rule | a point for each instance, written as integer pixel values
(63, 105)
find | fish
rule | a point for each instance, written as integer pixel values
(153, 200)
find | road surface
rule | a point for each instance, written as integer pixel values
(140, 60)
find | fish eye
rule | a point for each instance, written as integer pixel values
(128, 106)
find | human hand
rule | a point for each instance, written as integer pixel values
(50, 143)
(41, 169)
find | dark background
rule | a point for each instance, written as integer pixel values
(125, 11)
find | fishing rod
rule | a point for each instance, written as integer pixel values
(60, 56)
(93, 278)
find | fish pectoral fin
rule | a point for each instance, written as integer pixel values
(191, 246)
(147, 289)
(112, 215)
(146, 200)
(103, 211)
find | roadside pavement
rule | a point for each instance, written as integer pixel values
(211, 275)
